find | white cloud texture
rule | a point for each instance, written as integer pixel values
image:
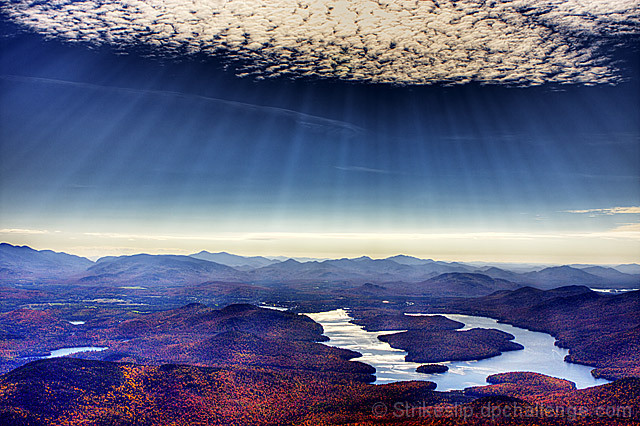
(609, 211)
(519, 42)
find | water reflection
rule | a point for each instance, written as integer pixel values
(70, 351)
(540, 354)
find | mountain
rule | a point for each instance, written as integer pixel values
(24, 264)
(525, 297)
(378, 269)
(359, 270)
(409, 260)
(629, 268)
(600, 330)
(566, 275)
(390, 270)
(498, 273)
(294, 271)
(163, 270)
(557, 276)
(297, 258)
(431, 266)
(613, 275)
(463, 284)
(233, 260)
(519, 268)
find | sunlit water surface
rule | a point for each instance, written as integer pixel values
(70, 351)
(540, 355)
(613, 290)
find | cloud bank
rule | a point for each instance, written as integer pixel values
(517, 42)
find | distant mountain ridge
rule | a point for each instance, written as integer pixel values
(146, 269)
(409, 260)
(458, 284)
(23, 264)
(234, 260)
(557, 276)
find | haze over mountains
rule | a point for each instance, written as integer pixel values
(235, 261)
(22, 264)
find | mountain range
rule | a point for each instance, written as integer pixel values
(22, 264)
(235, 261)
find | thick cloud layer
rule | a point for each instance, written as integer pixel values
(519, 42)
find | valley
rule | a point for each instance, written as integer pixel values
(175, 350)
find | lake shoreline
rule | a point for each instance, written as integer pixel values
(61, 352)
(549, 358)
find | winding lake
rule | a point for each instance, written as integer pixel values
(540, 355)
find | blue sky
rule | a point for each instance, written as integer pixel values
(111, 153)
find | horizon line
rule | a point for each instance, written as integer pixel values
(304, 259)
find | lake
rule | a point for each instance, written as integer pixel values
(70, 351)
(613, 290)
(540, 355)
(275, 308)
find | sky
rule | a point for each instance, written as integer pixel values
(453, 130)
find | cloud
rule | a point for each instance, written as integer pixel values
(363, 170)
(609, 211)
(23, 231)
(628, 227)
(156, 237)
(518, 42)
(631, 232)
(306, 120)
